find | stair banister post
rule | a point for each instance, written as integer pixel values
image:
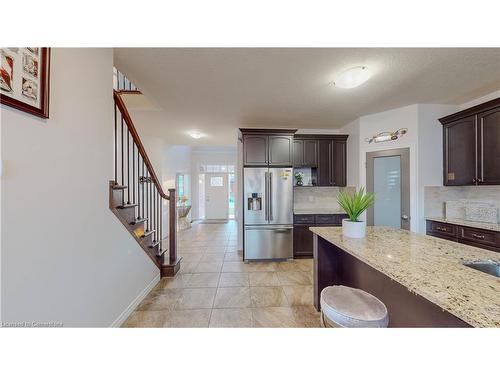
(172, 225)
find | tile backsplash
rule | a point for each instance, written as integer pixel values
(315, 197)
(474, 203)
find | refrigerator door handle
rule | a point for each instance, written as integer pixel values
(266, 197)
(271, 196)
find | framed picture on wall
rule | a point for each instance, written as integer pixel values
(24, 79)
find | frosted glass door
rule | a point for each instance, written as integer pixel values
(387, 188)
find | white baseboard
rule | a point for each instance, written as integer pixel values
(137, 300)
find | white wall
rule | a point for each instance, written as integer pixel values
(176, 159)
(65, 257)
(424, 140)
(430, 151)
(405, 117)
(352, 129)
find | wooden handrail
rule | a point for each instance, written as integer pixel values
(140, 147)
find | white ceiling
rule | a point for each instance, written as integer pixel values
(217, 90)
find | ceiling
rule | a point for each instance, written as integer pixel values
(217, 90)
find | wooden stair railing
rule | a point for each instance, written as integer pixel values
(136, 195)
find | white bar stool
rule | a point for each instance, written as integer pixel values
(346, 307)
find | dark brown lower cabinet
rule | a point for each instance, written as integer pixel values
(485, 239)
(303, 237)
(302, 242)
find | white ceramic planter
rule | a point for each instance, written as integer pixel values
(353, 229)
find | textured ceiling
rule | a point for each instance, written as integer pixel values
(217, 90)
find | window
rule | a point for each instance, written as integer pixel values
(217, 168)
(216, 181)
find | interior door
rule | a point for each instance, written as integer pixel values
(216, 196)
(388, 176)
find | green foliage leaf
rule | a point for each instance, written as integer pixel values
(354, 204)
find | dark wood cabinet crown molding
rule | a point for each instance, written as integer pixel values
(267, 131)
(470, 111)
(336, 137)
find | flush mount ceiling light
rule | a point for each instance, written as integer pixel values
(352, 77)
(195, 134)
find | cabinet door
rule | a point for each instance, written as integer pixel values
(310, 153)
(280, 150)
(302, 242)
(489, 147)
(339, 163)
(255, 149)
(325, 163)
(298, 153)
(460, 152)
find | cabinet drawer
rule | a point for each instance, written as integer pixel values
(442, 229)
(303, 219)
(330, 219)
(479, 236)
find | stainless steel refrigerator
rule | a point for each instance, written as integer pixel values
(268, 217)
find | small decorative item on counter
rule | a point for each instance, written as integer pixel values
(354, 204)
(299, 176)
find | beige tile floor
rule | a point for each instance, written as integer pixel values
(215, 288)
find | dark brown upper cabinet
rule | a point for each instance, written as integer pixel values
(325, 163)
(298, 153)
(327, 154)
(305, 153)
(471, 146)
(489, 147)
(280, 150)
(267, 147)
(310, 153)
(339, 168)
(255, 149)
(460, 156)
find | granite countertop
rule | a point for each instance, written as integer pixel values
(466, 223)
(428, 266)
(318, 211)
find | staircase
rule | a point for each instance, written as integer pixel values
(136, 196)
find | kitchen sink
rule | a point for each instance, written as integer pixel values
(487, 266)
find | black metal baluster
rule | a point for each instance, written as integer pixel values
(142, 188)
(147, 201)
(116, 148)
(153, 226)
(138, 186)
(122, 162)
(161, 218)
(133, 172)
(158, 200)
(150, 202)
(156, 214)
(128, 166)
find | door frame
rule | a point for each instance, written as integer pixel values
(404, 154)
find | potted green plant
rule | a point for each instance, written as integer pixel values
(354, 204)
(299, 176)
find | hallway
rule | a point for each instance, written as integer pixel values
(214, 288)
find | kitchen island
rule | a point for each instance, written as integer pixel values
(421, 279)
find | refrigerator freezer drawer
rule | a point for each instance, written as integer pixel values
(268, 242)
